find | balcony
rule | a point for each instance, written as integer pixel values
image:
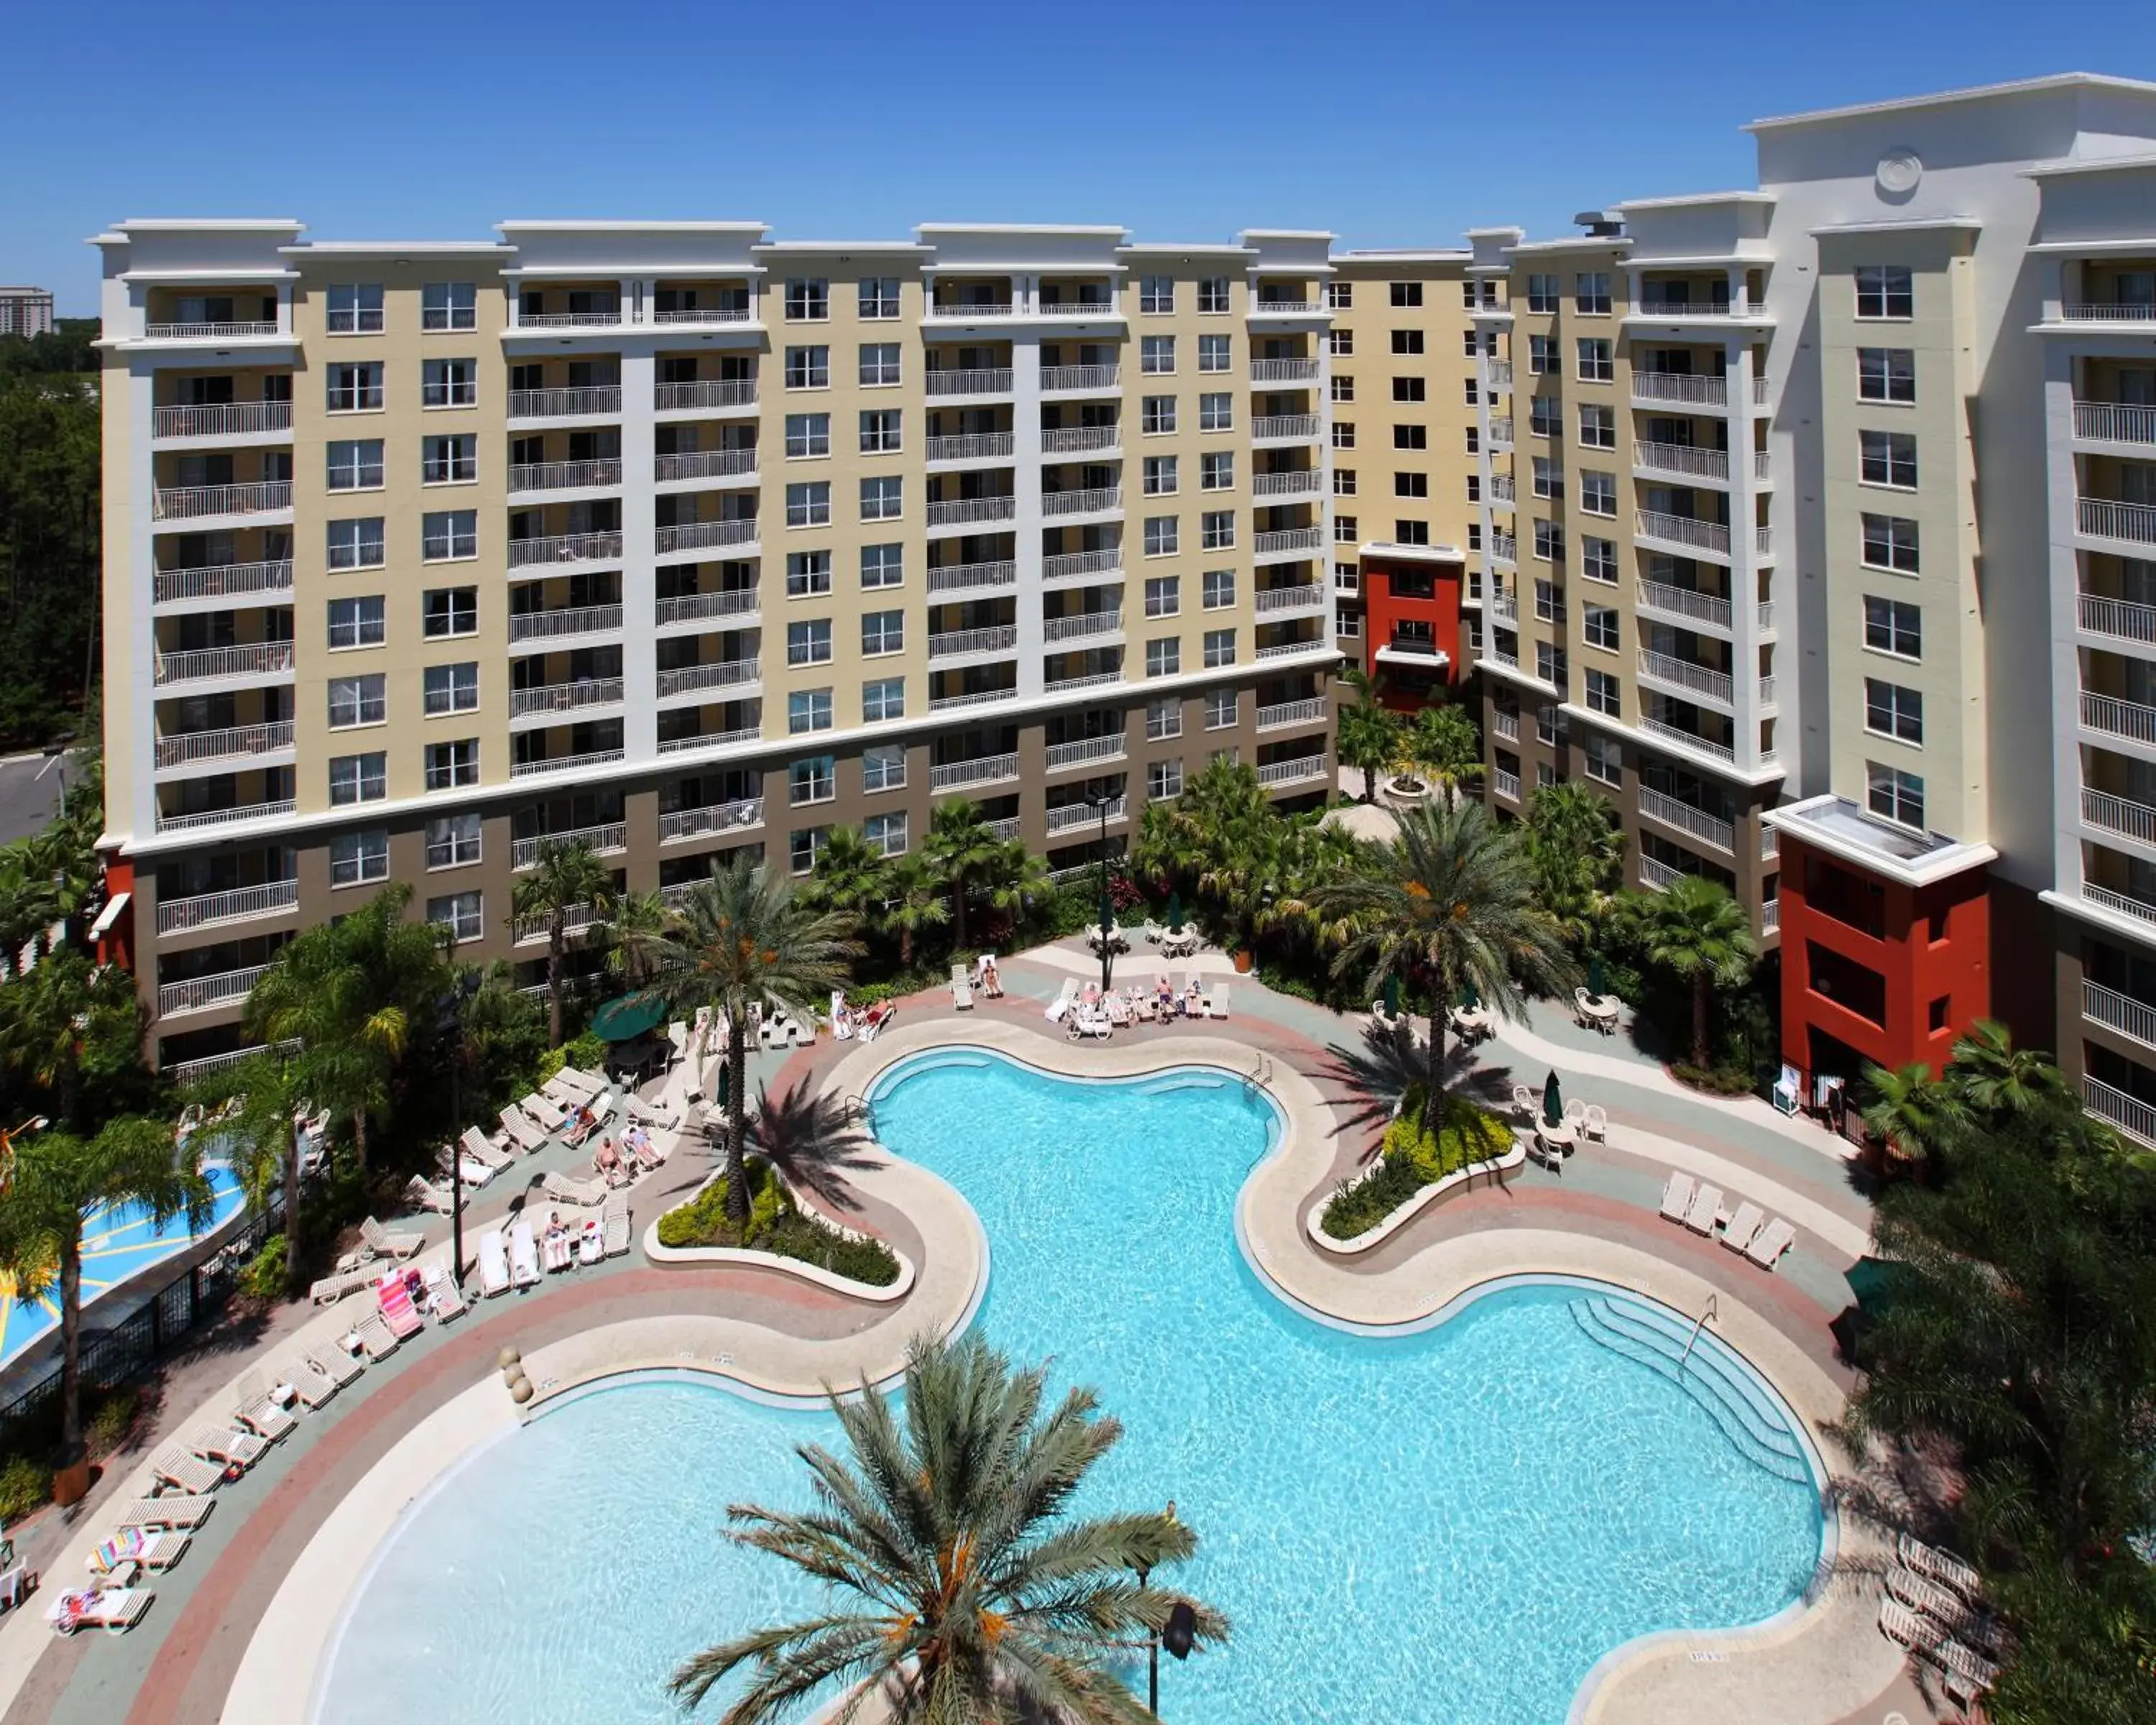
(233, 816)
(596, 401)
(973, 310)
(1080, 625)
(1004, 831)
(2131, 1116)
(1302, 769)
(1682, 530)
(204, 665)
(739, 603)
(1068, 440)
(982, 769)
(236, 743)
(570, 764)
(1680, 738)
(964, 642)
(1657, 875)
(1411, 646)
(1073, 817)
(566, 548)
(1290, 714)
(564, 475)
(1302, 482)
(709, 740)
(1293, 542)
(1088, 310)
(1770, 917)
(1682, 458)
(184, 1073)
(550, 698)
(1287, 429)
(1698, 609)
(575, 620)
(715, 392)
(972, 577)
(971, 697)
(718, 674)
(1507, 784)
(237, 418)
(1708, 829)
(2115, 814)
(221, 581)
(1499, 372)
(1087, 679)
(604, 840)
(1303, 596)
(985, 445)
(1092, 500)
(241, 904)
(1501, 434)
(1071, 565)
(2102, 519)
(995, 380)
(966, 511)
(705, 315)
(2131, 1018)
(1504, 551)
(680, 824)
(1071, 380)
(187, 503)
(1288, 308)
(202, 993)
(701, 536)
(610, 318)
(253, 329)
(2114, 422)
(1680, 386)
(1062, 756)
(2115, 718)
(1283, 371)
(1505, 725)
(704, 463)
(575, 919)
(1693, 311)
(1695, 679)
(2109, 311)
(1501, 488)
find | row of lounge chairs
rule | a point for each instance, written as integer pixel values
(1747, 1230)
(359, 1267)
(1933, 1607)
(510, 1257)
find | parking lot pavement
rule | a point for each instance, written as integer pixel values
(29, 793)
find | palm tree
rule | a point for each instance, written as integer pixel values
(1695, 930)
(63, 1014)
(565, 877)
(962, 848)
(1577, 849)
(262, 1138)
(57, 1181)
(1443, 742)
(1908, 1110)
(1992, 1076)
(742, 940)
(962, 1588)
(1015, 879)
(851, 876)
(634, 935)
(1450, 902)
(918, 902)
(1369, 739)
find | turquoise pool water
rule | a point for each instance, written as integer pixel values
(1449, 1527)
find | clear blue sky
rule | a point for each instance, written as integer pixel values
(1391, 124)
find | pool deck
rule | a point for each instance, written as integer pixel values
(240, 1628)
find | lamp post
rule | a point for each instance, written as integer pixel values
(1100, 806)
(1177, 1636)
(450, 1022)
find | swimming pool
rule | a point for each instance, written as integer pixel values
(1451, 1526)
(117, 1244)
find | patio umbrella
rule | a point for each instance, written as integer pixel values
(1468, 998)
(1392, 997)
(629, 1017)
(1553, 1102)
(725, 1087)
(1595, 984)
(1174, 908)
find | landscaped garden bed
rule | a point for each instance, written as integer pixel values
(1415, 1167)
(776, 1227)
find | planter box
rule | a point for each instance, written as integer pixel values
(1438, 1190)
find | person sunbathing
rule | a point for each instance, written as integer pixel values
(1193, 1000)
(609, 1164)
(991, 984)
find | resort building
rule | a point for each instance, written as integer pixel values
(26, 311)
(679, 540)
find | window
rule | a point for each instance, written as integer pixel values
(1407, 342)
(1163, 720)
(1156, 295)
(1469, 392)
(1887, 458)
(1549, 541)
(1605, 760)
(885, 834)
(1546, 416)
(1590, 294)
(1598, 492)
(807, 368)
(1890, 543)
(879, 431)
(1213, 294)
(1542, 293)
(1215, 353)
(1344, 529)
(1163, 780)
(1411, 437)
(1406, 293)
(883, 565)
(1157, 354)
(1541, 356)
(1410, 533)
(1885, 290)
(1597, 426)
(1604, 695)
(1891, 626)
(807, 572)
(1219, 588)
(449, 383)
(449, 534)
(355, 544)
(460, 913)
(1160, 475)
(1217, 530)
(1468, 348)
(449, 460)
(356, 465)
(1343, 482)
(882, 700)
(1598, 558)
(879, 298)
(1549, 603)
(449, 611)
(355, 623)
(807, 300)
(1894, 795)
(811, 781)
(354, 389)
(1220, 648)
(1892, 711)
(879, 364)
(804, 846)
(808, 709)
(1216, 413)
(358, 701)
(357, 857)
(354, 309)
(883, 632)
(1474, 488)
(451, 689)
(807, 435)
(1216, 472)
(1411, 484)
(1343, 434)
(1601, 625)
(1164, 656)
(1163, 536)
(1156, 415)
(1549, 477)
(809, 504)
(449, 305)
(358, 779)
(883, 768)
(1223, 708)
(1409, 389)
(1342, 388)
(883, 500)
(809, 643)
(1346, 622)
(1886, 374)
(1163, 595)
(452, 766)
(453, 841)
(1340, 343)
(1550, 667)
(1598, 361)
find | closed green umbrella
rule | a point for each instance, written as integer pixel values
(1174, 909)
(1468, 998)
(1392, 997)
(1553, 1102)
(1595, 983)
(725, 1086)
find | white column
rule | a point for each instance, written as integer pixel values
(1743, 559)
(1026, 523)
(2064, 569)
(640, 648)
(139, 668)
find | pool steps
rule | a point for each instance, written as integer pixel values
(1738, 1405)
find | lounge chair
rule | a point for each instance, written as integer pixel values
(221, 1443)
(421, 1193)
(332, 1288)
(1766, 1249)
(180, 1509)
(1384, 1020)
(384, 1243)
(565, 1097)
(375, 1338)
(394, 1301)
(471, 1169)
(544, 1111)
(1090, 1021)
(1152, 932)
(493, 1263)
(1060, 1005)
(962, 989)
(309, 1381)
(447, 1298)
(523, 1255)
(1676, 1196)
(173, 1467)
(480, 1148)
(258, 1413)
(1928, 1560)
(557, 1248)
(1905, 1627)
(152, 1548)
(1968, 1674)
(592, 1084)
(589, 1193)
(591, 1241)
(524, 1133)
(341, 1368)
(1216, 1001)
(1743, 1228)
(1525, 1101)
(1706, 1211)
(114, 1610)
(614, 1221)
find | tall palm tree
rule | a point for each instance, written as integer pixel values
(851, 876)
(61, 1015)
(962, 1588)
(1450, 902)
(565, 877)
(1908, 1110)
(918, 902)
(635, 935)
(1577, 849)
(1444, 743)
(262, 1138)
(1697, 932)
(1992, 1076)
(962, 848)
(1015, 879)
(57, 1181)
(743, 939)
(1368, 739)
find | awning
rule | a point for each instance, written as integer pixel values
(631, 1016)
(109, 915)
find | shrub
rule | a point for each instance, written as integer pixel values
(777, 1225)
(1715, 1080)
(113, 1417)
(24, 1487)
(1413, 1158)
(587, 1052)
(264, 1277)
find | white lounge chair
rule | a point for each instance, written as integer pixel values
(1676, 1196)
(591, 1241)
(174, 1466)
(447, 1298)
(376, 1340)
(340, 1368)
(151, 1547)
(1216, 1001)
(962, 989)
(421, 1193)
(1595, 1123)
(180, 1509)
(385, 1243)
(524, 1132)
(1706, 1211)
(493, 1263)
(1766, 1249)
(1061, 1004)
(115, 1609)
(1743, 1227)
(523, 1255)
(309, 1381)
(1905, 1627)
(475, 1173)
(259, 1414)
(1928, 1560)
(544, 1111)
(1090, 1021)
(589, 1193)
(334, 1287)
(480, 1148)
(614, 1219)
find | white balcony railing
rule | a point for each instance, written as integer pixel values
(1762, 465)
(1698, 607)
(2120, 618)
(1501, 433)
(1504, 548)
(231, 816)
(983, 445)
(184, 1073)
(576, 620)
(564, 475)
(1062, 755)
(2130, 1018)
(2115, 421)
(2109, 311)
(1002, 638)
(991, 380)
(963, 511)
(1770, 917)
(1072, 816)
(203, 663)
(737, 602)
(565, 697)
(1284, 308)
(1762, 542)
(1708, 829)
(1090, 501)
(591, 402)
(969, 578)
(1004, 830)
(1067, 380)
(1292, 539)
(2130, 1115)
(1681, 739)
(711, 392)
(2107, 519)
(1736, 305)
(2116, 815)
(232, 418)
(1655, 875)
(1505, 725)
(679, 824)
(1683, 530)
(718, 674)
(1071, 439)
(1508, 785)
(1770, 843)
(1083, 679)
(221, 581)
(1499, 372)
(1501, 488)
(1286, 428)
(699, 535)
(566, 548)
(1079, 624)
(1284, 715)
(1067, 565)
(1766, 616)
(238, 740)
(1672, 386)
(1299, 483)
(966, 311)
(982, 769)
(1095, 308)
(569, 764)
(703, 463)
(575, 919)
(1681, 458)
(202, 992)
(241, 332)
(182, 503)
(971, 697)
(1300, 770)
(1697, 679)
(240, 904)
(1300, 596)
(603, 840)
(2114, 717)
(709, 740)
(606, 319)
(1283, 371)
(695, 315)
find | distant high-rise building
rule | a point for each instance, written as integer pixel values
(25, 312)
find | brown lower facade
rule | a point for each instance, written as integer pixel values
(2103, 1006)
